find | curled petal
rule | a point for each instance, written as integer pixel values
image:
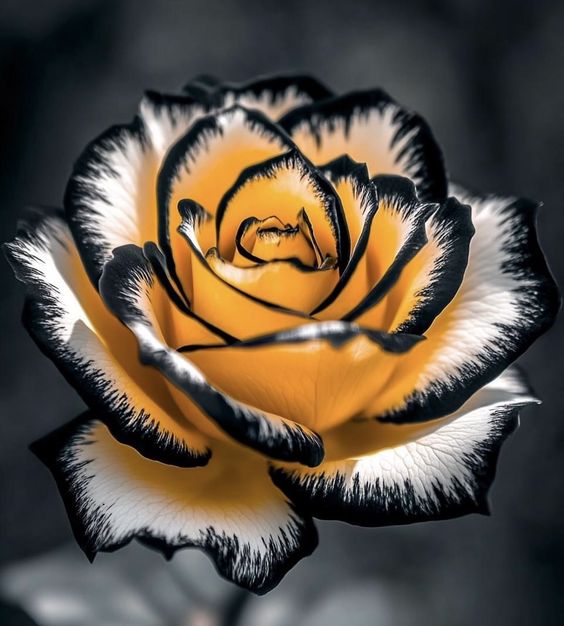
(229, 509)
(378, 474)
(284, 186)
(506, 300)
(66, 317)
(126, 287)
(374, 129)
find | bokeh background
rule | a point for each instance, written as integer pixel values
(489, 77)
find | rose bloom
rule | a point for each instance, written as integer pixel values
(277, 307)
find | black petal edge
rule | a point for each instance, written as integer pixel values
(323, 189)
(426, 155)
(158, 264)
(336, 333)
(275, 86)
(285, 441)
(398, 194)
(49, 449)
(454, 230)
(92, 162)
(375, 505)
(126, 425)
(344, 168)
(177, 157)
(78, 192)
(539, 307)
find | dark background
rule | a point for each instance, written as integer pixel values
(489, 78)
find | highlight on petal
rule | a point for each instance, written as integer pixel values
(126, 287)
(272, 95)
(285, 282)
(506, 300)
(372, 128)
(66, 317)
(229, 509)
(284, 187)
(379, 474)
(110, 199)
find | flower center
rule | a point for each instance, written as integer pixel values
(270, 239)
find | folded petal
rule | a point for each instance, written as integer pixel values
(374, 129)
(506, 300)
(127, 288)
(229, 509)
(378, 474)
(284, 187)
(66, 317)
(360, 204)
(318, 375)
(273, 95)
(110, 198)
(286, 283)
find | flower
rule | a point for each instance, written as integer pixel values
(277, 307)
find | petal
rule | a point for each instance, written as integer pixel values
(229, 509)
(360, 204)
(434, 259)
(284, 186)
(206, 162)
(273, 95)
(286, 283)
(318, 375)
(378, 474)
(392, 236)
(110, 198)
(372, 128)
(126, 286)
(507, 299)
(67, 319)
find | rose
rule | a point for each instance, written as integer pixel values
(271, 321)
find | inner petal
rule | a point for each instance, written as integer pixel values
(290, 189)
(260, 241)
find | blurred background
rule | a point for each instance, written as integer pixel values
(488, 76)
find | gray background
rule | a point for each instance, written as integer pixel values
(488, 76)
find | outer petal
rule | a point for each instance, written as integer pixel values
(377, 474)
(507, 299)
(111, 199)
(230, 509)
(318, 375)
(126, 286)
(65, 316)
(371, 127)
(272, 95)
